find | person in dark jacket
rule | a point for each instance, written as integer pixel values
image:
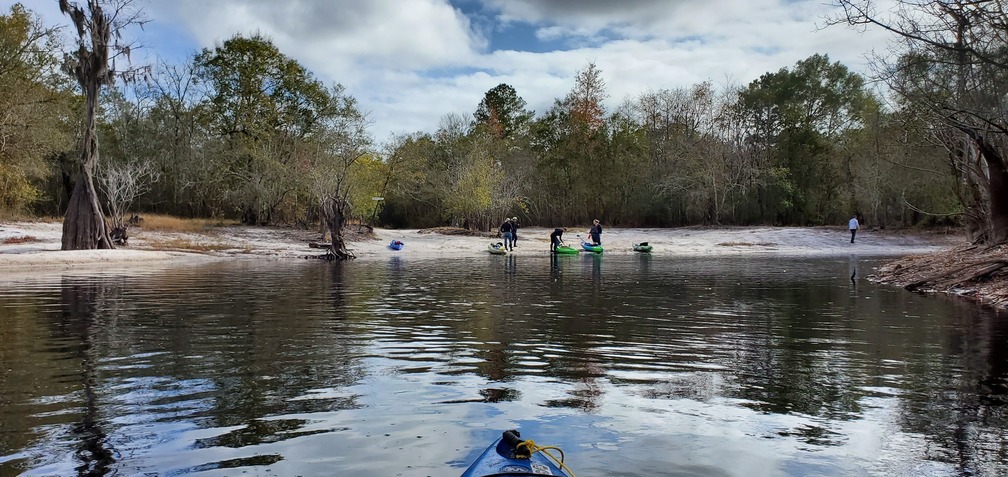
(514, 231)
(506, 229)
(556, 238)
(595, 232)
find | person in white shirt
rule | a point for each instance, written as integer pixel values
(853, 225)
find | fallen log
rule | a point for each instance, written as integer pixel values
(988, 268)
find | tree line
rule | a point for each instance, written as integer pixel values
(243, 131)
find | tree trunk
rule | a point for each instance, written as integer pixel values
(335, 211)
(998, 170)
(84, 224)
(993, 199)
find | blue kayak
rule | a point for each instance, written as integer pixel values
(511, 456)
(395, 245)
(591, 248)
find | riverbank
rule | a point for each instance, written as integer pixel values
(34, 247)
(977, 273)
(37, 244)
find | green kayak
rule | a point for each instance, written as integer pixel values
(642, 247)
(565, 250)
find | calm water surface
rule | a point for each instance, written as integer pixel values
(635, 366)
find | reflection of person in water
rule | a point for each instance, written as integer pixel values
(596, 268)
(555, 272)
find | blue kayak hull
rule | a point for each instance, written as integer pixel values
(591, 248)
(497, 460)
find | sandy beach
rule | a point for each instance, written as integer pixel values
(27, 246)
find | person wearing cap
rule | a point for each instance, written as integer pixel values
(514, 231)
(595, 232)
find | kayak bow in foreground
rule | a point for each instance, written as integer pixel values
(512, 456)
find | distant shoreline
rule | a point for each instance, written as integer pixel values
(37, 244)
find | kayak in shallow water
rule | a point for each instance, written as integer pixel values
(591, 247)
(497, 249)
(396, 245)
(511, 456)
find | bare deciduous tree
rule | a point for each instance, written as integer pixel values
(122, 184)
(950, 66)
(343, 140)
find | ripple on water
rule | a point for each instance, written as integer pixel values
(411, 367)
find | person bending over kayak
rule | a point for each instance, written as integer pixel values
(595, 232)
(556, 238)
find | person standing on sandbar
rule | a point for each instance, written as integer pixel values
(506, 229)
(853, 225)
(595, 232)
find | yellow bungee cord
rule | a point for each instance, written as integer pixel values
(530, 446)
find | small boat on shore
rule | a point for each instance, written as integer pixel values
(565, 250)
(512, 456)
(642, 247)
(597, 248)
(497, 249)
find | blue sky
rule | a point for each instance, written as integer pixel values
(410, 62)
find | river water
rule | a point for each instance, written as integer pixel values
(633, 365)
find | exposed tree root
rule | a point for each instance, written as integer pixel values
(971, 271)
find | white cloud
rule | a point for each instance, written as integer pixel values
(409, 62)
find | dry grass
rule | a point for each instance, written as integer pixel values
(747, 244)
(456, 231)
(22, 239)
(185, 245)
(167, 223)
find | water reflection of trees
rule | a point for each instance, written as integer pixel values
(250, 353)
(79, 320)
(804, 358)
(213, 348)
(287, 351)
(956, 395)
(795, 360)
